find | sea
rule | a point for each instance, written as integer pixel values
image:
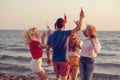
(15, 56)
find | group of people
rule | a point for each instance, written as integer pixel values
(69, 54)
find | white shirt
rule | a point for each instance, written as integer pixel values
(88, 50)
(74, 53)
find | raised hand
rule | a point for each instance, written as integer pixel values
(76, 22)
(48, 31)
(44, 35)
(82, 15)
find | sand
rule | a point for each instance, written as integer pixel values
(6, 76)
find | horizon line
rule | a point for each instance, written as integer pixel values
(53, 30)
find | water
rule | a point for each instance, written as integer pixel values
(15, 55)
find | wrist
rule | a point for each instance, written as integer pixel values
(48, 59)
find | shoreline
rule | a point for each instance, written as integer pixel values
(100, 76)
(96, 76)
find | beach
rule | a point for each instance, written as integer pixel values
(6, 76)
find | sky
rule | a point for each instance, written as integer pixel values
(22, 14)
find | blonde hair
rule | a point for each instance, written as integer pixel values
(92, 30)
(28, 35)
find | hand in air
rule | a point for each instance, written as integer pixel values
(44, 35)
(48, 31)
(76, 22)
(82, 15)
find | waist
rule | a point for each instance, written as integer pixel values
(36, 55)
(87, 59)
(37, 58)
(84, 57)
(88, 54)
(70, 57)
(73, 54)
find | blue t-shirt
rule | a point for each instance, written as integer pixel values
(57, 40)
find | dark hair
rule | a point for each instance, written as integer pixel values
(60, 23)
(55, 25)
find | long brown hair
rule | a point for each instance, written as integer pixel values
(73, 43)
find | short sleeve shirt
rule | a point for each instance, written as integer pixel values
(36, 51)
(57, 40)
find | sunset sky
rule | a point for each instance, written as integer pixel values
(21, 14)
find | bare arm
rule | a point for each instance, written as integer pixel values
(96, 45)
(49, 61)
(79, 23)
(42, 45)
(48, 51)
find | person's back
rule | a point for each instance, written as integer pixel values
(57, 41)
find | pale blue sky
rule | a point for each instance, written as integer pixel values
(20, 14)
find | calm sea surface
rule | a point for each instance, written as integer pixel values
(15, 55)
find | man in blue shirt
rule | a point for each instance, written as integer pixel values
(57, 41)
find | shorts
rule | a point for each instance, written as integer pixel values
(36, 65)
(61, 68)
(74, 62)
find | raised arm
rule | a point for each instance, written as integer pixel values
(79, 23)
(42, 45)
(45, 34)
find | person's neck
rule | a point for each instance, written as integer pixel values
(60, 28)
(89, 37)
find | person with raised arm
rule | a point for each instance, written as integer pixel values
(91, 47)
(31, 37)
(57, 41)
(74, 45)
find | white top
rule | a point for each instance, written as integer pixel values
(88, 50)
(74, 53)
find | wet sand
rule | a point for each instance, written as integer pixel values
(6, 76)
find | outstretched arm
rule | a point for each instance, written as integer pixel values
(79, 23)
(42, 45)
(48, 31)
(45, 34)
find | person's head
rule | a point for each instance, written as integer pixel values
(60, 23)
(74, 36)
(90, 31)
(73, 42)
(31, 34)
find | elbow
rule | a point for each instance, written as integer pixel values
(78, 28)
(98, 51)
